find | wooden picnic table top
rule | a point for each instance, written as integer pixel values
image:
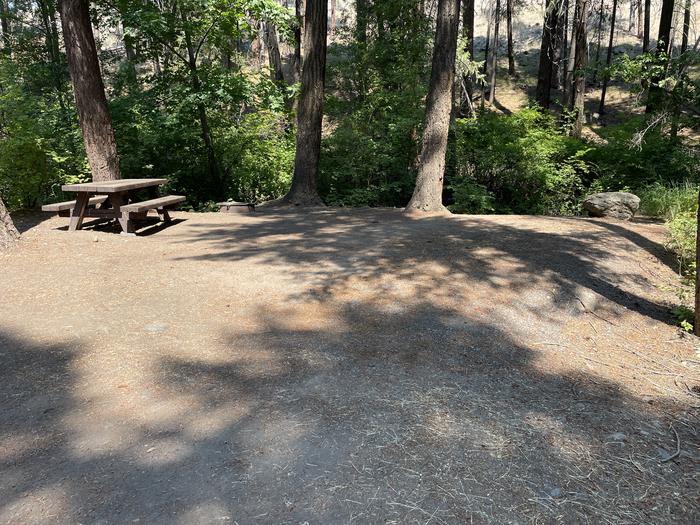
(114, 186)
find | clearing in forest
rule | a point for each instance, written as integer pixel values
(346, 366)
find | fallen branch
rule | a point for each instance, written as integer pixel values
(678, 447)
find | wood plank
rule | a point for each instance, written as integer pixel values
(114, 186)
(160, 202)
(67, 205)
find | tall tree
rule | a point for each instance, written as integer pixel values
(640, 19)
(90, 99)
(427, 195)
(608, 59)
(686, 27)
(545, 71)
(494, 53)
(578, 84)
(468, 34)
(8, 232)
(509, 30)
(5, 27)
(647, 25)
(310, 110)
(655, 95)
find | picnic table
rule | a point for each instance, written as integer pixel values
(115, 199)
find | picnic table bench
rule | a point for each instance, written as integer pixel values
(114, 200)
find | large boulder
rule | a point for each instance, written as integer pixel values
(617, 204)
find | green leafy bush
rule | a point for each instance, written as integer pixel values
(519, 163)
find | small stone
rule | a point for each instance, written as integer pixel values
(617, 436)
(95, 239)
(156, 328)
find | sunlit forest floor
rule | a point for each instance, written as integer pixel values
(337, 366)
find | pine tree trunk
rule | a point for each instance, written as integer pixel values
(8, 232)
(5, 27)
(509, 29)
(310, 112)
(640, 18)
(571, 58)
(559, 45)
(578, 85)
(647, 25)
(608, 59)
(545, 70)
(299, 15)
(90, 99)
(494, 53)
(361, 21)
(655, 95)
(468, 29)
(427, 196)
(273, 52)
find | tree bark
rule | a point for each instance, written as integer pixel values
(608, 59)
(8, 232)
(647, 25)
(545, 70)
(509, 30)
(89, 90)
(273, 52)
(494, 53)
(686, 27)
(655, 95)
(571, 58)
(578, 85)
(427, 195)
(361, 21)
(5, 27)
(468, 30)
(298, 10)
(304, 190)
(640, 18)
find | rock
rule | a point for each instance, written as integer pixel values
(616, 204)
(618, 436)
(156, 328)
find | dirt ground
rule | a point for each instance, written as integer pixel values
(346, 366)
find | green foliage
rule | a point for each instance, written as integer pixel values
(678, 205)
(685, 317)
(519, 163)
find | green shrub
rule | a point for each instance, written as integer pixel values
(519, 163)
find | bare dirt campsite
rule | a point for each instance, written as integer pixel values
(354, 366)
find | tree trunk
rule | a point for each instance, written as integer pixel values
(545, 70)
(90, 99)
(559, 44)
(334, 19)
(310, 113)
(273, 52)
(494, 53)
(608, 59)
(5, 27)
(298, 10)
(640, 18)
(468, 28)
(427, 196)
(578, 85)
(361, 21)
(509, 23)
(686, 27)
(8, 232)
(655, 95)
(647, 25)
(599, 34)
(571, 58)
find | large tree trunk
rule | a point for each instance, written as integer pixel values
(494, 53)
(608, 59)
(686, 27)
(310, 112)
(647, 25)
(578, 85)
(8, 232)
(571, 57)
(545, 70)
(509, 23)
(298, 29)
(90, 99)
(427, 196)
(655, 96)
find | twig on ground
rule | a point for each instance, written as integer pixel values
(678, 447)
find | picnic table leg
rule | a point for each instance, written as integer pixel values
(164, 215)
(78, 212)
(127, 224)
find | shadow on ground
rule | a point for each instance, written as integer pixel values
(362, 407)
